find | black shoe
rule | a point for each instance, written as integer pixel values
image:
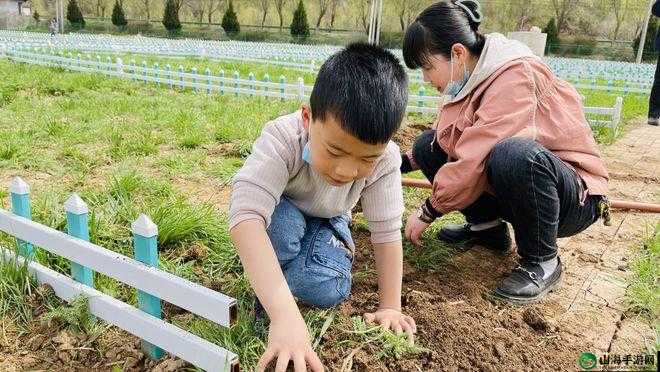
(495, 238)
(653, 121)
(526, 284)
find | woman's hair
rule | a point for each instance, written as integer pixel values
(440, 26)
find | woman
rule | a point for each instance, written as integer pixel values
(511, 144)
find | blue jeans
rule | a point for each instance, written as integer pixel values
(314, 254)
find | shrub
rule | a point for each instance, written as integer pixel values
(230, 20)
(171, 17)
(74, 15)
(299, 25)
(118, 16)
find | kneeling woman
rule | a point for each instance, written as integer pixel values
(511, 143)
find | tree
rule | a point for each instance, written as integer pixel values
(36, 16)
(197, 9)
(406, 10)
(299, 25)
(333, 11)
(563, 10)
(323, 8)
(212, 6)
(171, 16)
(100, 8)
(263, 5)
(553, 35)
(279, 6)
(620, 13)
(230, 20)
(361, 17)
(118, 16)
(74, 15)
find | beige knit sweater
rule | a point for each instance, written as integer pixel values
(275, 168)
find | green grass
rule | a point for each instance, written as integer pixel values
(643, 292)
(129, 148)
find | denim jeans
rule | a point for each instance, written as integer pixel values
(314, 254)
(534, 190)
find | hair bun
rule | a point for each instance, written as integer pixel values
(473, 10)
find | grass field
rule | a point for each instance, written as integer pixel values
(129, 148)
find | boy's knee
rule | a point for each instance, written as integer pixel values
(326, 293)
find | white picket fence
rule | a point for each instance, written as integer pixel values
(619, 77)
(221, 84)
(142, 273)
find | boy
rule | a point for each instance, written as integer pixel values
(290, 203)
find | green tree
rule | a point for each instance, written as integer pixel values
(299, 25)
(118, 16)
(74, 15)
(36, 16)
(171, 17)
(553, 34)
(230, 20)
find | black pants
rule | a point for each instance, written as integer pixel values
(654, 100)
(534, 190)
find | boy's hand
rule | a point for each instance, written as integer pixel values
(288, 340)
(414, 229)
(394, 320)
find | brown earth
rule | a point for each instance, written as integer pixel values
(457, 320)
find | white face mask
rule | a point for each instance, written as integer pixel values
(454, 87)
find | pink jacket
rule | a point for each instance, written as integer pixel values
(522, 97)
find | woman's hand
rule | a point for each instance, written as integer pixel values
(414, 229)
(288, 340)
(394, 320)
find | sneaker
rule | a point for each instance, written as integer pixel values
(496, 238)
(654, 121)
(526, 284)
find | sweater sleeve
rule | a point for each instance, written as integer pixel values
(382, 200)
(259, 184)
(507, 107)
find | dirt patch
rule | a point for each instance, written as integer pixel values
(409, 131)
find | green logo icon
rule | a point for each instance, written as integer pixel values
(587, 361)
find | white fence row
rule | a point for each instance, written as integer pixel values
(221, 84)
(636, 77)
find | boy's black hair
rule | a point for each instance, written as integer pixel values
(365, 88)
(437, 29)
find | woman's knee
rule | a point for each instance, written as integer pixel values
(509, 155)
(422, 146)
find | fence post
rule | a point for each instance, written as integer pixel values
(222, 82)
(79, 57)
(77, 223)
(98, 62)
(145, 242)
(421, 94)
(144, 72)
(618, 107)
(207, 72)
(108, 60)
(301, 89)
(120, 67)
(157, 74)
(267, 81)
(168, 68)
(236, 85)
(20, 206)
(251, 78)
(180, 70)
(282, 87)
(194, 78)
